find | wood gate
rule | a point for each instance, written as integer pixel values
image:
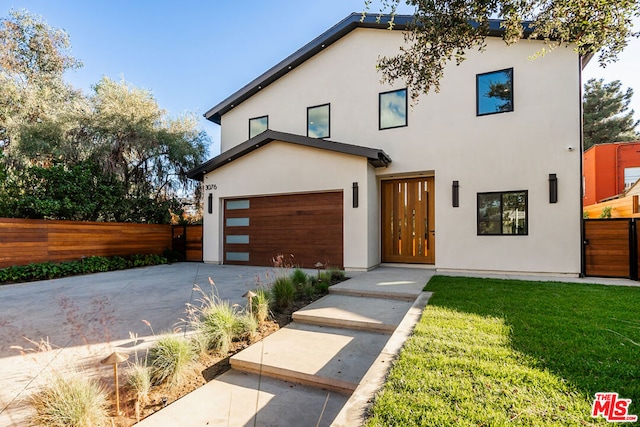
(187, 241)
(611, 248)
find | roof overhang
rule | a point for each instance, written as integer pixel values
(376, 158)
(315, 46)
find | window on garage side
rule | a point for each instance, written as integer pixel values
(257, 125)
(494, 92)
(392, 109)
(318, 121)
(503, 213)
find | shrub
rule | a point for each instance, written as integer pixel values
(70, 401)
(260, 305)
(322, 287)
(284, 292)
(336, 275)
(170, 359)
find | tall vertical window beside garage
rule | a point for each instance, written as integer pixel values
(236, 233)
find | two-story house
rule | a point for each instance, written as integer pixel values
(321, 161)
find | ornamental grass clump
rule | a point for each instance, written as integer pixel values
(73, 400)
(170, 360)
(220, 325)
(284, 292)
(261, 304)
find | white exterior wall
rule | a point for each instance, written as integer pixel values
(282, 168)
(501, 152)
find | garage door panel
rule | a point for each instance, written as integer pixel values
(307, 226)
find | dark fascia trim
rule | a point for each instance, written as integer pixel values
(377, 158)
(315, 46)
(309, 50)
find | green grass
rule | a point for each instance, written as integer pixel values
(514, 353)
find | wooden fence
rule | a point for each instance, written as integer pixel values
(23, 241)
(624, 207)
(611, 247)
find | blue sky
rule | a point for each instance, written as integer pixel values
(193, 54)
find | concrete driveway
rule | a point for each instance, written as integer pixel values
(106, 307)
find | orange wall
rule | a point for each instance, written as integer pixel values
(603, 169)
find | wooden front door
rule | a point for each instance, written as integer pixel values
(408, 227)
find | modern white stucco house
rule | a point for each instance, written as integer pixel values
(322, 161)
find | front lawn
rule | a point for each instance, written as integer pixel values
(490, 352)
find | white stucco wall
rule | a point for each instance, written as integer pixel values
(284, 168)
(502, 152)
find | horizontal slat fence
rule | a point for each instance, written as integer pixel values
(23, 241)
(624, 207)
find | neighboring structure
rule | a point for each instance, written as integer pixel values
(462, 180)
(609, 170)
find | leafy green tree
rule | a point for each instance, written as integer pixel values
(111, 155)
(607, 117)
(444, 30)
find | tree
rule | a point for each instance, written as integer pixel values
(444, 30)
(111, 155)
(606, 115)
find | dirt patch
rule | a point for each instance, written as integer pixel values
(206, 368)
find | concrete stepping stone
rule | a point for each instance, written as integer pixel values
(371, 314)
(240, 399)
(325, 357)
(385, 283)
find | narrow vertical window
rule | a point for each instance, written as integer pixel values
(318, 121)
(494, 92)
(258, 125)
(392, 109)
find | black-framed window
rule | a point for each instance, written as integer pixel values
(257, 125)
(494, 92)
(392, 109)
(318, 121)
(503, 213)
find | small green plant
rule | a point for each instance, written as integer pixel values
(322, 287)
(139, 381)
(308, 291)
(260, 305)
(606, 212)
(247, 326)
(299, 277)
(284, 292)
(170, 359)
(585, 215)
(72, 400)
(336, 275)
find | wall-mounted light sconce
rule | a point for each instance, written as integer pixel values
(455, 194)
(210, 203)
(553, 188)
(355, 194)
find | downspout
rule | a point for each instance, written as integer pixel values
(583, 265)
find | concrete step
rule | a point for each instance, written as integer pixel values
(385, 283)
(240, 399)
(329, 358)
(342, 311)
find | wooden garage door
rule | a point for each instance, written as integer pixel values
(307, 226)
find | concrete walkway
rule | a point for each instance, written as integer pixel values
(323, 368)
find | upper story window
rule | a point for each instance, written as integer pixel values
(494, 92)
(503, 213)
(258, 125)
(318, 121)
(392, 109)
